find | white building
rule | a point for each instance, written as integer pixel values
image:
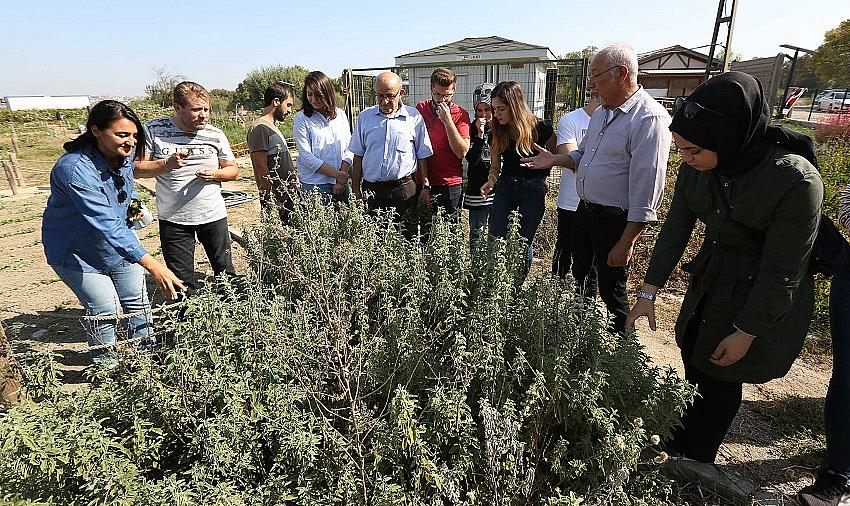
(24, 102)
(481, 59)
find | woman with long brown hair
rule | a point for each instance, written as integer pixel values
(322, 135)
(520, 188)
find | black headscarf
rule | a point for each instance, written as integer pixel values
(736, 124)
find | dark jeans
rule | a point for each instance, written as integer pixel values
(837, 405)
(447, 198)
(526, 195)
(478, 217)
(562, 258)
(400, 198)
(178, 248)
(705, 422)
(596, 232)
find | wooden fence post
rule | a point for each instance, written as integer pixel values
(16, 170)
(15, 147)
(7, 168)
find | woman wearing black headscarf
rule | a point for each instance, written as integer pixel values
(750, 298)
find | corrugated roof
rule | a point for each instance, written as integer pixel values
(475, 45)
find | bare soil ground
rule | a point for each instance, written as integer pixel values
(775, 442)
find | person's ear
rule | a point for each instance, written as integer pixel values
(95, 131)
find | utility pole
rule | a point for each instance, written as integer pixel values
(721, 19)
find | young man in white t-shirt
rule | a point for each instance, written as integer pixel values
(570, 132)
(190, 159)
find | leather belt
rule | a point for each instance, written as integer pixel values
(599, 208)
(386, 185)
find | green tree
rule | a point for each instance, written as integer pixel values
(249, 93)
(587, 52)
(161, 90)
(805, 75)
(220, 99)
(832, 59)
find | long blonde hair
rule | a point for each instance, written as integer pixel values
(521, 118)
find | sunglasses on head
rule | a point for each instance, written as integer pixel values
(119, 182)
(691, 110)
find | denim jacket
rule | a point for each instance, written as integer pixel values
(84, 226)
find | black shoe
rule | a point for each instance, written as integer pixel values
(830, 489)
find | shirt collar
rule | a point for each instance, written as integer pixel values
(631, 101)
(100, 162)
(402, 111)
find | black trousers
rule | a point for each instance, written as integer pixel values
(562, 258)
(706, 422)
(178, 248)
(447, 198)
(596, 232)
(400, 197)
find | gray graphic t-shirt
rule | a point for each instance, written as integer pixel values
(182, 197)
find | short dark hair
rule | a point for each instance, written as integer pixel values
(280, 89)
(322, 86)
(102, 115)
(443, 77)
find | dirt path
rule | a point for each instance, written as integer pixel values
(776, 438)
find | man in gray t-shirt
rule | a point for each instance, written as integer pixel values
(190, 159)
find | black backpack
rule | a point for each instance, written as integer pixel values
(830, 252)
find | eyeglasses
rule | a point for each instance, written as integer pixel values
(691, 110)
(594, 76)
(388, 96)
(119, 182)
(441, 96)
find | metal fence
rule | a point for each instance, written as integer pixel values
(820, 106)
(551, 88)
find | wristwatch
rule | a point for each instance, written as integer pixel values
(643, 294)
(426, 187)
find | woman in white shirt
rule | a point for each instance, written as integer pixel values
(322, 135)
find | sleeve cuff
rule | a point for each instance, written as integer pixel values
(136, 254)
(641, 215)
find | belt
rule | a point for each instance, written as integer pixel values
(599, 208)
(375, 185)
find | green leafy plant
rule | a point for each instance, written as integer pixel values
(352, 366)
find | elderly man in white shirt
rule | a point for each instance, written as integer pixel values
(620, 168)
(389, 143)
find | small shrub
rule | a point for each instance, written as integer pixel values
(835, 128)
(356, 367)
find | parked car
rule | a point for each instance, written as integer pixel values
(834, 101)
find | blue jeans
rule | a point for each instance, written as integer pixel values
(837, 404)
(478, 217)
(121, 290)
(326, 190)
(526, 195)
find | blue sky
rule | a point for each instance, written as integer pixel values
(101, 47)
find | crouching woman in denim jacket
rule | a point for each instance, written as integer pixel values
(86, 228)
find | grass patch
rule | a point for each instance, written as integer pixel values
(20, 219)
(17, 264)
(22, 231)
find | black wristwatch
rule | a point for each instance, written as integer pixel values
(426, 187)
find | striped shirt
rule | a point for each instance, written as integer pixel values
(181, 196)
(844, 208)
